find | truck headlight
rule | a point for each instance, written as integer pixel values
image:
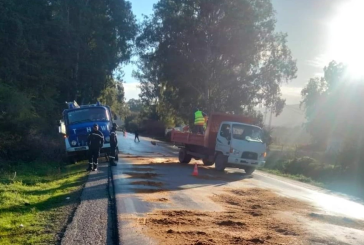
(264, 154)
(234, 151)
(107, 138)
(73, 142)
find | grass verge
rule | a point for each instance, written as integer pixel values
(300, 178)
(37, 201)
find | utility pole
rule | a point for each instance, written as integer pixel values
(270, 117)
(265, 116)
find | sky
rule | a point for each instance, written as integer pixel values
(314, 37)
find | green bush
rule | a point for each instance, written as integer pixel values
(34, 146)
(311, 168)
(275, 159)
(286, 163)
(306, 166)
(339, 177)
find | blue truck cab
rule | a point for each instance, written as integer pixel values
(76, 124)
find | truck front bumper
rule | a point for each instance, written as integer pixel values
(236, 162)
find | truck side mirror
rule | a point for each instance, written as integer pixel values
(62, 127)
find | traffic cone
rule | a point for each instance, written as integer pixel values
(195, 170)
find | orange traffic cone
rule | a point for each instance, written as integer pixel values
(195, 170)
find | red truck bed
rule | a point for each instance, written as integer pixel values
(208, 140)
(187, 138)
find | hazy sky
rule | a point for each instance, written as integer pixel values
(307, 23)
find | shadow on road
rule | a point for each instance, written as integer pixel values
(168, 175)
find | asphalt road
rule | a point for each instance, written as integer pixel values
(188, 192)
(92, 222)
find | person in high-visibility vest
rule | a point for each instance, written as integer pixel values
(206, 120)
(200, 121)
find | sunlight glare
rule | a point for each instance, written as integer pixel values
(347, 37)
(339, 206)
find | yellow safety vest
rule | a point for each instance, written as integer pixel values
(205, 125)
(199, 119)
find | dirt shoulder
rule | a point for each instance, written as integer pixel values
(92, 222)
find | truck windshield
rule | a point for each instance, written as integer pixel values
(245, 132)
(87, 115)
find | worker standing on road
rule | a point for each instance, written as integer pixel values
(113, 155)
(136, 132)
(95, 141)
(200, 121)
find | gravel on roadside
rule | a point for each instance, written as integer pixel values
(93, 220)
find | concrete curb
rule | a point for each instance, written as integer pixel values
(112, 204)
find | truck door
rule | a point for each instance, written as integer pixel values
(223, 139)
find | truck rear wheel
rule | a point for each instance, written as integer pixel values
(220, 162)
(183, 157)
(249, 170)
(207, 162)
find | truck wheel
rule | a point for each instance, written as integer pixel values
(183, 157)
(220, 162)
(249, 170)
(206, 162)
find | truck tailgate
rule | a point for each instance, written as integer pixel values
(187, 138)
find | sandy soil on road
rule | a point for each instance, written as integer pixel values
(250, 216)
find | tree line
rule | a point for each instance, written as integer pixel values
(213, 55)
(334, 112)
(54, 51)
(209, 54)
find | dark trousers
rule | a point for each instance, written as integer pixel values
(114, 152)
(199, 129)
(136, 137)
(94, 154)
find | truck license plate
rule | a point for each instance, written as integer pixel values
(80, 148)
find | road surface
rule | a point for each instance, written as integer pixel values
(147, 172)
(92, 222)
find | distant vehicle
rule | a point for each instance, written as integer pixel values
(76, 124)
(229, 141)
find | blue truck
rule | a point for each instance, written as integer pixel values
(76, 124)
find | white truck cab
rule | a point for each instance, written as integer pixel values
(240, 145)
